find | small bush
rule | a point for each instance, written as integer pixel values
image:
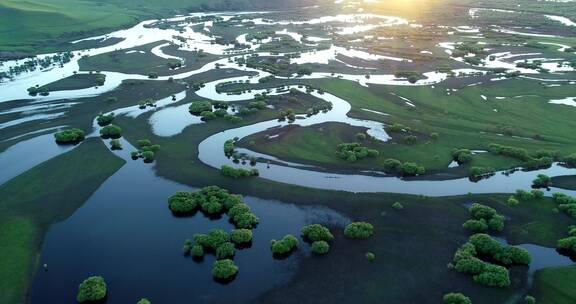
(316, 232)
(69, 136)
(224, 269)
(92, 289)
(286, 245)
(320, 247)
(456, 298)
(359, 230)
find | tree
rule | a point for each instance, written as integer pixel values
(320, 247)
(398, 206)
(316, 232)
(529, 299)
(359, 230)
(92, 289)
(144, 301)
(456, 298)
(214, 239)
(224, 269)
(69, 136)
(110, 131)
(434, 136)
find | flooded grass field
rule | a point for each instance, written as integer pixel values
(399, 114)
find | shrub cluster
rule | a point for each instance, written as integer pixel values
(238, 172)
(479, 172)
(542, 181)
(69, 136)
(316, 232)
(241, 236)
(466, 260)
(354, 151)
(110, 131)
(568, 244)
(91, 289)
(359, 230)
(224, 269)
(566, 203)
(456, 298)
(146, 150)
(284, 246)
(104, 120)
(462, 156)
(394, 166)
(484, 218)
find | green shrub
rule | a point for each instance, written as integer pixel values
(370, 256)
(237, 172)
(245, 220)
(398, 206)
(197, 107)
(475, 225)
(241, 236)
(456, 298)
(529, 299)
(197, 251)
(104, 120)
(182, 202)
(115, 144)
(542, 181)
(392, 166)
(214, 239)
(462, 156)
(92, 289)
(187, 246)
(225, 251)
(411, 169)
(359, 230)
(316, 232)
(512, 201)
(144, 301)
(110, 131)
(148, 156)
(69, 136)
(143, 143)
(493, 276)
(320, 247)
(354, 151)
(224, 269)
(287, 244)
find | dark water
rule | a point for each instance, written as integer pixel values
(126, 233)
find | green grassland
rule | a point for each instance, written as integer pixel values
(462, 118)
(46, 194)
(34, 26)
(144, 63)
